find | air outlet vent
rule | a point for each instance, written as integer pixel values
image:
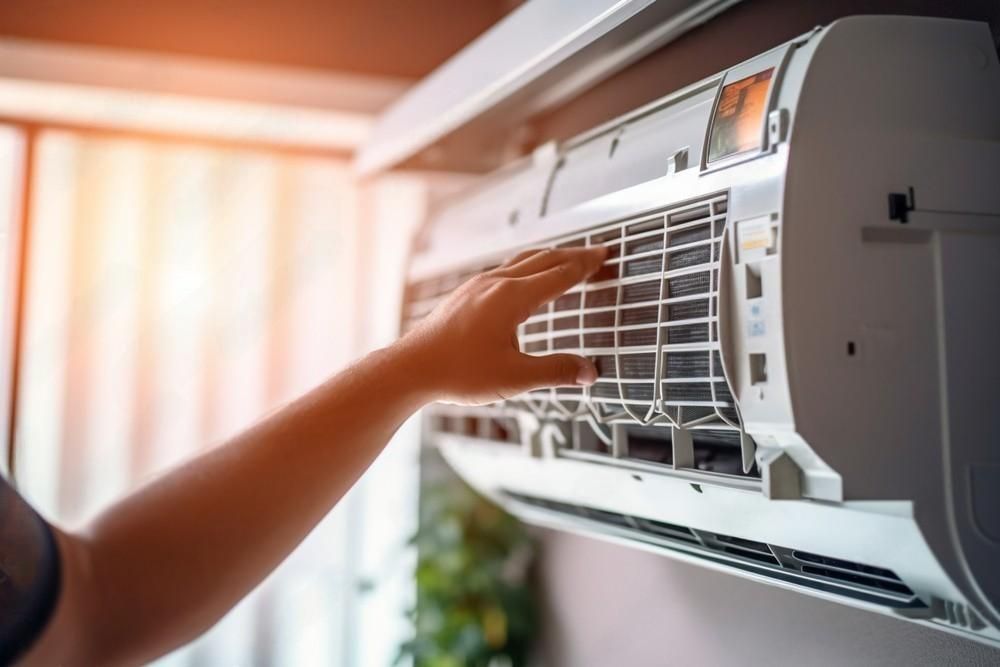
(855, 580)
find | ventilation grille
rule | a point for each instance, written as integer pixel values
(649, 321)
(834, 575)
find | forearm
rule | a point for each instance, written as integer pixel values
(168, 561)
(161, 566)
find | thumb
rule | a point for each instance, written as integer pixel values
(555, 370)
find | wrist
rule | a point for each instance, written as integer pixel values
(407, 372)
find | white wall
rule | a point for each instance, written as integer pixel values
(612, 606)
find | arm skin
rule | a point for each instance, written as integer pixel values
(164, 564)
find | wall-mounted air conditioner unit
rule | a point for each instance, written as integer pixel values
(797, 328)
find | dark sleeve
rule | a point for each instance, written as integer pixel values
(29, 574)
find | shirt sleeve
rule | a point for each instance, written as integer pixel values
(29, 574)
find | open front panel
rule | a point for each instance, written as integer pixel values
(649, 320)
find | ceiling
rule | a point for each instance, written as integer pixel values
(373, 37)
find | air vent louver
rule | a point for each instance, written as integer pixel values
(847, 578)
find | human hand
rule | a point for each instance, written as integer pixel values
(466, 351)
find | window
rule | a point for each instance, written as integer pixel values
(176, 289)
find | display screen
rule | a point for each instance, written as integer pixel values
(739, 117)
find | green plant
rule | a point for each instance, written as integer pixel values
(475, 606)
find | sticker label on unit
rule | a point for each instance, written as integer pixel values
(755, 237)
(755, 319)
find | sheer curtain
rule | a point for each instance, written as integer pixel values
(12, 159)
(175, 293)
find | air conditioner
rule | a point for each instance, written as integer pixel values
(797, 329)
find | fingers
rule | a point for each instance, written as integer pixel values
(553, 370)
(517, 259)
(535, 290)
(530, 262)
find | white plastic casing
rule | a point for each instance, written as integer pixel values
(875, 415)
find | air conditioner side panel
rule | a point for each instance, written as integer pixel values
(970, 284)
(853, 275)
